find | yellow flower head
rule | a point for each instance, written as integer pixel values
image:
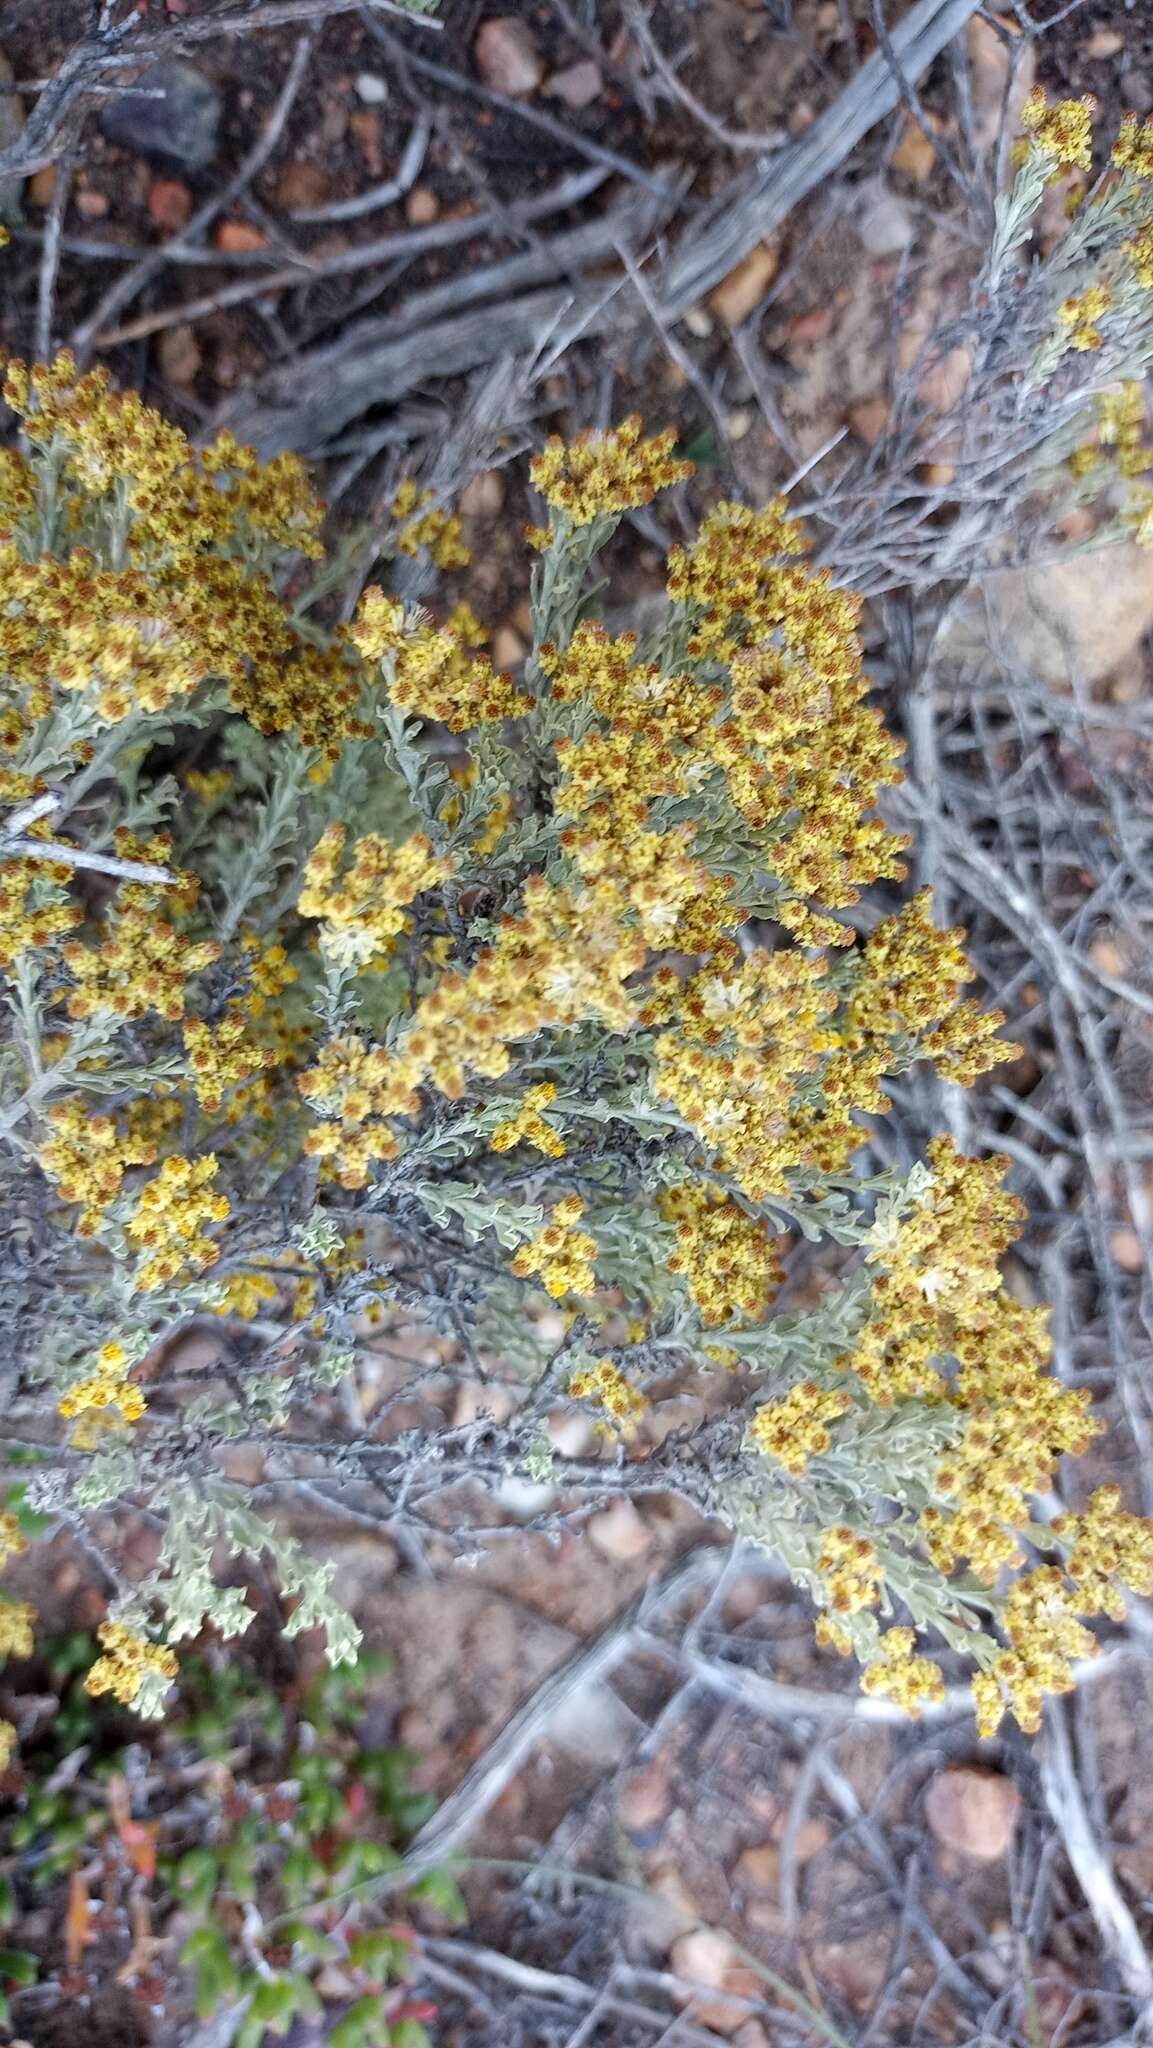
(794, 1428)
(16, 1637)
(562, 1255)
(600, 474)
(1133, 149)
(363, 910)
(1063, 133)
(127, 1661)
(622, 1403)
(896, 1674)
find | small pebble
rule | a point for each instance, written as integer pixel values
(507, 56)
(169, 204)
(578, 85)
(370, 88)
(973, 1812)
(421, 207)
(238, 236)
(178, 353)
(41, 186)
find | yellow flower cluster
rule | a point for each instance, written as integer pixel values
(940, 1267)
(794, 1428)
(270, 972)
(1133, 149)
(1079, 314)
(222, 1056)
(430, 672)
(12, 1538)
(528, 1127)
(937, 1298)
(1120, 425)
(909, 982)
(16, 1637)
(560, 1254)
(109, 438)
(1139, 250)
(32, 915)
(271, 501)
(728, 579)
(8, 1736)
(190, 596)
(753, 1058)
(80, 627)
(798, 753)
(245, 1295)
(606, 1384)
(896, 1674)
(169, 1219)
(144, 961)
(801, 752)
(742, 1065)
(729, 1261)
(1046, 1639)
(565, 959)
(88, 1156)
(108, 1387)
(1108, 1548)
(380, 625)
(356, 1088)
(651, 873)
(422, 523)
(599, 474)
(851, 1569)
(127, 1660)
(363, 912)
(1063, 132)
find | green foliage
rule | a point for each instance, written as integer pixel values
(293, 1812)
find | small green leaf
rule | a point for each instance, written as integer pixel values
(442, 1892)
(408, 2034)
(18, 1967)
(198, 1876)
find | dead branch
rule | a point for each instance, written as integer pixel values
(341, 383)
(1115, 1923)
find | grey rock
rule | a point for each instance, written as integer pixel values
(172, 112)
(884, 223)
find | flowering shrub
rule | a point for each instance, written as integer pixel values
(351, 982)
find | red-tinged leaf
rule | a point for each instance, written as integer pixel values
(77, 1920)
(356, 1800)
(139, 1839)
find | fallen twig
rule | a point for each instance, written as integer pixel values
(1114, 1921)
